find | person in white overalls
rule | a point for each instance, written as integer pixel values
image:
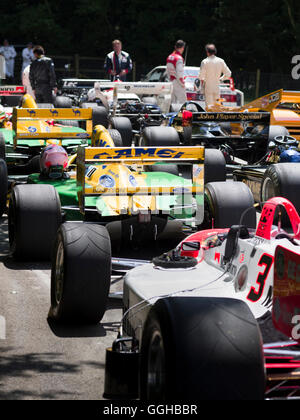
(213, 70)
(9, 53)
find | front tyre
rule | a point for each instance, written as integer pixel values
(80, 275)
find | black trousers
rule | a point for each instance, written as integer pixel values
(43, 94)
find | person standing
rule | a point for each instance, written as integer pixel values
(27, 55)
(42, 76)
(175, 72)
(118, 63)
(26, 81)
(9, 53)
(213, 70)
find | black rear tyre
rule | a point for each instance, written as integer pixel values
(33, 219)
(116, 136)
(3, 186)
(124, 126)
(2, 147)
(214, 166)
(196, 348)
(63, 102)
(226, 202)
(80, 276)
(160, 136)
(100, 114)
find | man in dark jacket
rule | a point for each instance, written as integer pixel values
(42, 76)
(118, 63)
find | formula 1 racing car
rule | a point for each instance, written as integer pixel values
(114, 186)
(190, 326)
(25, 130)
(277, 173)
(197, 333)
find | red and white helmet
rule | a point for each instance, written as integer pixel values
(53, 161)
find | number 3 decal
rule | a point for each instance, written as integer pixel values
(265, 261)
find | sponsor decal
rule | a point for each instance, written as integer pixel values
(54, 112)
(32, 129)
(107, 181)
(76, 112)
(133, 181)
(140, 153)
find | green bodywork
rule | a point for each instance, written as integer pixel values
(26, 147)
(67, 190)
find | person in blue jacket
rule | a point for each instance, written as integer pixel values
(118, 63)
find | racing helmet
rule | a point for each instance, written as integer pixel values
(53, 161)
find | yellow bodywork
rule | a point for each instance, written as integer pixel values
(284, 107)
(125, 190)
(31, 122)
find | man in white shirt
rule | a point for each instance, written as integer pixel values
(27, 55)
(9, 54)
(213, 70)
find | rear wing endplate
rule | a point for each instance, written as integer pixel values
(30, 114)
(138, 156)
(286, 298)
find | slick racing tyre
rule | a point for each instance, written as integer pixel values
(123, 125)
(33, 219)
(100, 114)
(80, 276)
(214, 166)
(282, 180)
(196, 348)
(116, 137)
(2, 147)
(63, 102)
(160, 136)
(226, 202)
(3, 186)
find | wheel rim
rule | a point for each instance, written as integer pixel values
(268, 190)
(59, 272)
(156, 375)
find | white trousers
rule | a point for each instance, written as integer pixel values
(211, 96)
(178, 94)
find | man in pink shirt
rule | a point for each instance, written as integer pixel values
(175, 71)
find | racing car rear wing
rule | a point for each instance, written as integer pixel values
(163, 91)
(242, 123)
(30, 114)
(138, 156)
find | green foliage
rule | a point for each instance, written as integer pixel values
(249, 35)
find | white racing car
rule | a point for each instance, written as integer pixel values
(230, 95)
(191, 320)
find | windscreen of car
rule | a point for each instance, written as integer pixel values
(156, 75)
(191, 74)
